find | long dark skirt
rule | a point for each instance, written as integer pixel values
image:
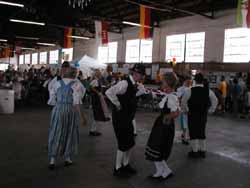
(161, 140)
(97, 107)
(197, 125)
(124, 130)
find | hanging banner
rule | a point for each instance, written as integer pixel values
(146, 22)
(101, 29)
(243, 13)
(105, 38)
(67, 37)
(5, 53)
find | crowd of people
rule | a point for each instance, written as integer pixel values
(186, 102)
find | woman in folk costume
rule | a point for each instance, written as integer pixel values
(183, 119)
(161, 139)
(99, 106)
(197, 102)
(123, 97)
(66, 96)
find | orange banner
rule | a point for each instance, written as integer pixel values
(67, 38)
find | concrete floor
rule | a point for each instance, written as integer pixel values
(23, 156)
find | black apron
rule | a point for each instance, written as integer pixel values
(97, 105)
(161, 139)
(198, 105)
(122, 119)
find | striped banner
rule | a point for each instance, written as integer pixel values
(146, 31)
(68, 40)
(101, 29)
(243, 13)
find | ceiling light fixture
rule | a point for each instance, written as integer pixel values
(135, 24)
(24, 48)
(11, 4)
(27, 38)
(79, 37)
(3, 40)
(46, 44)
(27, 22)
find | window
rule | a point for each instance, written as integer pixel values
(67, 54)
(27, 58)
(54, 57)
(43, 58)
(34, 58)
(108, 54)
(146, 51)
(112, 52)
(186, 47)
(4, 67)
(103, 54)
(195, 43)
(21, 59)
(175, 47)
(237, 45)
(139, 51)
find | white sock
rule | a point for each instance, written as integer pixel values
(202, 145)
(159, 169)
(126, 157)
(52, 161)
(166, 169)
(93, 126)
(195, 145)
(135, 127)
(119, 158)
(67, 159)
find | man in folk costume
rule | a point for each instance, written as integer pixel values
(198, 101)
(123, 97)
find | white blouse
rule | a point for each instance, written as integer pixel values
(173, 102)
(77, 87)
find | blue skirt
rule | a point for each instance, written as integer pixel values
(63, 131)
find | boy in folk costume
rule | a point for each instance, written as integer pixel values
(99, 106)
(123, 97)
(161, 139)
(66, 96)
(195, 103)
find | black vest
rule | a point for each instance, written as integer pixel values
(128, 100)
(199, 100)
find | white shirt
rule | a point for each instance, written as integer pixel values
(181, 91)
(141, 90)
(187, 95)
(52, 83)
(119, 89)
(173, 102)
(94, 83)
(77, 87)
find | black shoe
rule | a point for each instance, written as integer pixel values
(94, 133)
(193, 155)
(202, 154)
(168, 177)
(107, 119)
(51, 166)
(185, 142)
(118, 172)
(130, 170)
(68, 164)
(151, 177)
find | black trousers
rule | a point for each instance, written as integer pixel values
(197, 125)
(124, 130)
